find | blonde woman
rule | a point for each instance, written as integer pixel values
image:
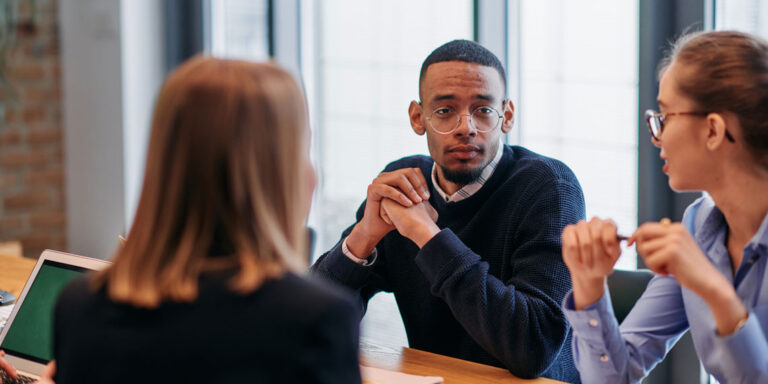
(206, 288)
(712, 275)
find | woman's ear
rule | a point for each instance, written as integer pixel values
(416, 114)
(716, 130)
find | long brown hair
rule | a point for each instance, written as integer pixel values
(728, 71)
(225, 161)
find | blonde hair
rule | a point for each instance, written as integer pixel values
(224, 169)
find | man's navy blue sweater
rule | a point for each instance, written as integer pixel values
(488, 287)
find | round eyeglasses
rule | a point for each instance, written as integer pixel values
(655, 121)
(445, 120)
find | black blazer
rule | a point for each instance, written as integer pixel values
(291, 330)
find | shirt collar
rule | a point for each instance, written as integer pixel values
(715, 223)
(471, 188)
(711, 237)
(761, 237)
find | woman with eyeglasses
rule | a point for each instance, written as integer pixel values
(206, 288)
(712, 268)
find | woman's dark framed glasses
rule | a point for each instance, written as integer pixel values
(656, 120)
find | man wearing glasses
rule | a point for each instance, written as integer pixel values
(468, 239)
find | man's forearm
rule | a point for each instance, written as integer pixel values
(361, 243)
(420, 234)
(499, 317)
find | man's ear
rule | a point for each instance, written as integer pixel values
(416, 114)
(509, 116)
(716, 128)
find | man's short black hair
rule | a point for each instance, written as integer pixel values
(466, 51)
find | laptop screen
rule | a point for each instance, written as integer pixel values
(31, 333)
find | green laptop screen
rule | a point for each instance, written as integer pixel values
(31, 332)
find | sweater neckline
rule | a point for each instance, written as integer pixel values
(479, 197)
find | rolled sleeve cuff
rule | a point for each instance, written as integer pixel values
(343, 268)
(367, 262)
(593, 322)
(594, 331)
(743, 351)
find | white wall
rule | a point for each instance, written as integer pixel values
(105, 110)
(143, 73)
(93, 113)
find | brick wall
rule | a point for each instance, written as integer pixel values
(32, 204)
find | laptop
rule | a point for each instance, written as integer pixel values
(27, 337)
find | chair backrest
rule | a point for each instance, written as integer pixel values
(626, 287)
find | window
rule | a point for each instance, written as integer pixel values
(238, 29)
(366, 60)
(578, 97)
(744, 15)
(360, 64)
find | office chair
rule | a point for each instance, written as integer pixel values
(625, 288)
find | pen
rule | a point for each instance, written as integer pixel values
(665, 222)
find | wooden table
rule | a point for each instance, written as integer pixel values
(14, 272)
(454, 371)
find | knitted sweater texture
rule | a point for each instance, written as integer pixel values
(488, 287)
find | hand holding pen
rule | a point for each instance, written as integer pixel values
(590, 251)
(664, 222)
(669, 249)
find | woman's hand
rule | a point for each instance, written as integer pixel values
(669, 249)
(6, 366)
(47, 376)
(590, 250)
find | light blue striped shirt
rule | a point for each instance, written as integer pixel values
(605, 352)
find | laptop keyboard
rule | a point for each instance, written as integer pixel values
(21, 379)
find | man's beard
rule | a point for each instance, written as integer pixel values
(462, 177)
